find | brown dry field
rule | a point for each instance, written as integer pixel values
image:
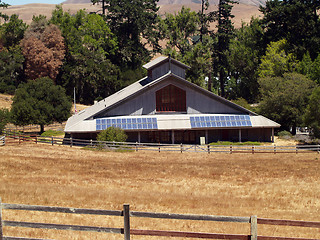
(281, 186)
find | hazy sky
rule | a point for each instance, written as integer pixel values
(21, 2)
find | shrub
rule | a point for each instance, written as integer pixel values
(112, 134)
(284, 134)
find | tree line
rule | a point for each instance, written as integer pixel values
(272, 61)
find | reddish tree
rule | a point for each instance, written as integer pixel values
(44, 52)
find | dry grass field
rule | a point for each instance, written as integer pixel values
(282, 186)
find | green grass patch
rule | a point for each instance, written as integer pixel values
(226, 143)
(100, 149)
(50, 133)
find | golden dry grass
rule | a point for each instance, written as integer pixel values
(5, 101)
(282, 186)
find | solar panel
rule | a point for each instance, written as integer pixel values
(127, 123)
(224, 121)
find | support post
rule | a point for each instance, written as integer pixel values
(272, 132)
(126, 217)
(240, 135)
(1, 232)
(139, 137)
(254, 228)
(172, 136)
(207, 135)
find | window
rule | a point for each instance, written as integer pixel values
(171, 99)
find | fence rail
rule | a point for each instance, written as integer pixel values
(21, 138)
(126, 231)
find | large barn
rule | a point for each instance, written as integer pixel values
(164, 107)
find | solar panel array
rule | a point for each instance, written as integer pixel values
(127, 123)
(220, 121)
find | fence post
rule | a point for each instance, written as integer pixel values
(274, 149)
(296, 149)
(52, 140)
(36, 139)
(136, 146)
(181, 149)
(70, 141)
(91, 143)
(208, 149)
(126, 217)
(230, 149)
(1, 232)
(252, 149)
(254, 228)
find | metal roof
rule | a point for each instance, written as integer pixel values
(162, 59)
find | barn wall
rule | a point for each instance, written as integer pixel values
(145, 103)
(163, 69)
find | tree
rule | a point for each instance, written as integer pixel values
(296, 21)
(43, 48)
(132, 22)
(12, 32)
(11, 69)
(40, 102)
(224, 34)
(180, 30)
(4, 118)
(91, 48)
(312, 115)
(284, 99)
(245, 52)
(3, 5)
(277, 60)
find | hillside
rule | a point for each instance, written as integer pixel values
(242, 12)
(184, 2)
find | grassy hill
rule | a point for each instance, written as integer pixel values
(242, 12)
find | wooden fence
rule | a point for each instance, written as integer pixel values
(19, 137)
(126, 231)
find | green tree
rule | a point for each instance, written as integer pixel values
(3, 5)
(312, 115)
(11, 69)
(4, 118)
(40, 102)
(284, 99)
(296, 21)
(131, 23)
(12, 32)
(112, 134)
(224, 34)
(91, 48)
(245, 52)
(181, 29)
(277, 60)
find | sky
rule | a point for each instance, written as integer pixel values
(21, 2)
